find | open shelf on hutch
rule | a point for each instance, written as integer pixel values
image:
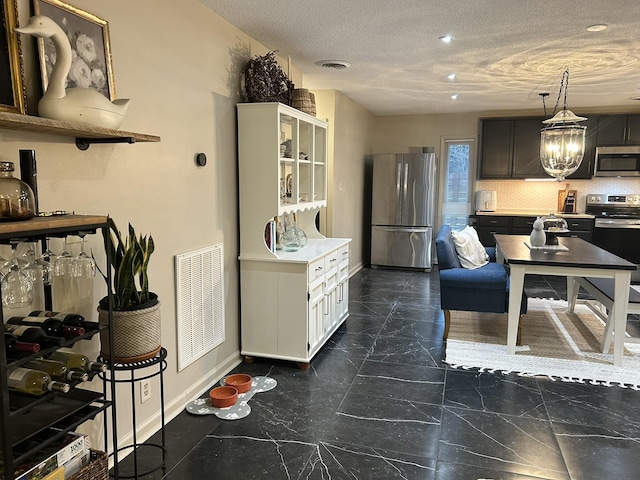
(83, 133)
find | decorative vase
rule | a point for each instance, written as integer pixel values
(537, 237)
(136, 333)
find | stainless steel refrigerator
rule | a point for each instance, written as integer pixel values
(403, 210)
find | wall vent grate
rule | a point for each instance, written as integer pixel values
(199, 303)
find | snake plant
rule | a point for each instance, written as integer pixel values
(129, 258)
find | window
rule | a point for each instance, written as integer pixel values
(456, 175)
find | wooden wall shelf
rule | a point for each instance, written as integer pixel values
(83, 133)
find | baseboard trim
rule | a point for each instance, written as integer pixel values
(171, 410)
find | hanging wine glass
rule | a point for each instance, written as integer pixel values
(39, 272)
(84, 271)
(83, 265)
(14, 260)
(38, 268)
(63, 290)
(16, 286)
(48, 254)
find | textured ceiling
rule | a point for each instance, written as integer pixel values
(504, 52)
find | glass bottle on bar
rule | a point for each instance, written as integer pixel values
(33, 382)
(68, 319)
(16, 349)
(51, 326)
(77, 361)
(26, 333)
(56, 370)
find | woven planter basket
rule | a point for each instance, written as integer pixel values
(97, 469)
(136, 334)
(304, 101)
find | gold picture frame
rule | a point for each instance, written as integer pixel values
(89, 38)
(12, 92)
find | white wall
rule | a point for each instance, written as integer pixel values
(180, 65)
(350, 139)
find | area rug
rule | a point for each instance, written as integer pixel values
(557, 344)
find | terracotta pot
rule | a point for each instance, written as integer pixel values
(136, 333)
(221, 397)
(241, 381)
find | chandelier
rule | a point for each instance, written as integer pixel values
(562, 139)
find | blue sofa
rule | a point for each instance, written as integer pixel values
(484, 289)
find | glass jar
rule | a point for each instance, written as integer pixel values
(552, 227)
(17, 201)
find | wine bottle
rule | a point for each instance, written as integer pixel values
(57, 370)
(33, 382)
(68, 319)
(77, 361)
(14, 349)
(26, 333)
(51, 326)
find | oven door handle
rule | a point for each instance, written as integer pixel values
(618, 226)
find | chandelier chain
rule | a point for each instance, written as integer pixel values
(564, 85)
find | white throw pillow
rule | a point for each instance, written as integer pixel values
(470, 251)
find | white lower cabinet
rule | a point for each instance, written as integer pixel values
(342, 305)
(290, 306)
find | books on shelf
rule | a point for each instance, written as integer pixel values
(57, 474)
(67, 451)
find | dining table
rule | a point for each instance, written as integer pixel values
(573, 258)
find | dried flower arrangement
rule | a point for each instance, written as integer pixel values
(264, 80)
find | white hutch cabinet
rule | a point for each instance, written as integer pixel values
(291, 302)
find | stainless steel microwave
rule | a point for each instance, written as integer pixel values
(621, 161)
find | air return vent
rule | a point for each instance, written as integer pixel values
(200, 303)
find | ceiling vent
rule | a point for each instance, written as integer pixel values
(334, 64)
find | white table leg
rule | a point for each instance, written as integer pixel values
(621, 304)
(516, 285)
(572, 293)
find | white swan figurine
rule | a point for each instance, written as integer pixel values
(78, 104)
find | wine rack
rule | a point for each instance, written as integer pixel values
(30, 424)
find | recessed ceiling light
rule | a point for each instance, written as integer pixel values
(446, 38)
(334, 64)
(598, 27)
(454, 96)
(451, 76)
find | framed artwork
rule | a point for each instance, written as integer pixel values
(12, 93)
(89, 38)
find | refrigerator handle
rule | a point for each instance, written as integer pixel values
(401, 229)
(405, 194)
(406, 176)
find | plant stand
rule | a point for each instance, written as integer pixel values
(137, 374)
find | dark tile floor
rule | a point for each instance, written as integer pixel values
(378, 403)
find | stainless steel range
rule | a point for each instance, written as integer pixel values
(617, 225)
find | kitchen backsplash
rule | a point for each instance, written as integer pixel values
(543, 195)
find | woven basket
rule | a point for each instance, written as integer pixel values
(136, 334)
(304, 101)
(97, 469)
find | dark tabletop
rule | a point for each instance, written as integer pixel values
(580, 254)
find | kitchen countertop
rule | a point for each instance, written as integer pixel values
(532, 213)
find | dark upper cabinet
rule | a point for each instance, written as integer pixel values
(526, 149)
(496, 149)
(510, 148)
(618, 130)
